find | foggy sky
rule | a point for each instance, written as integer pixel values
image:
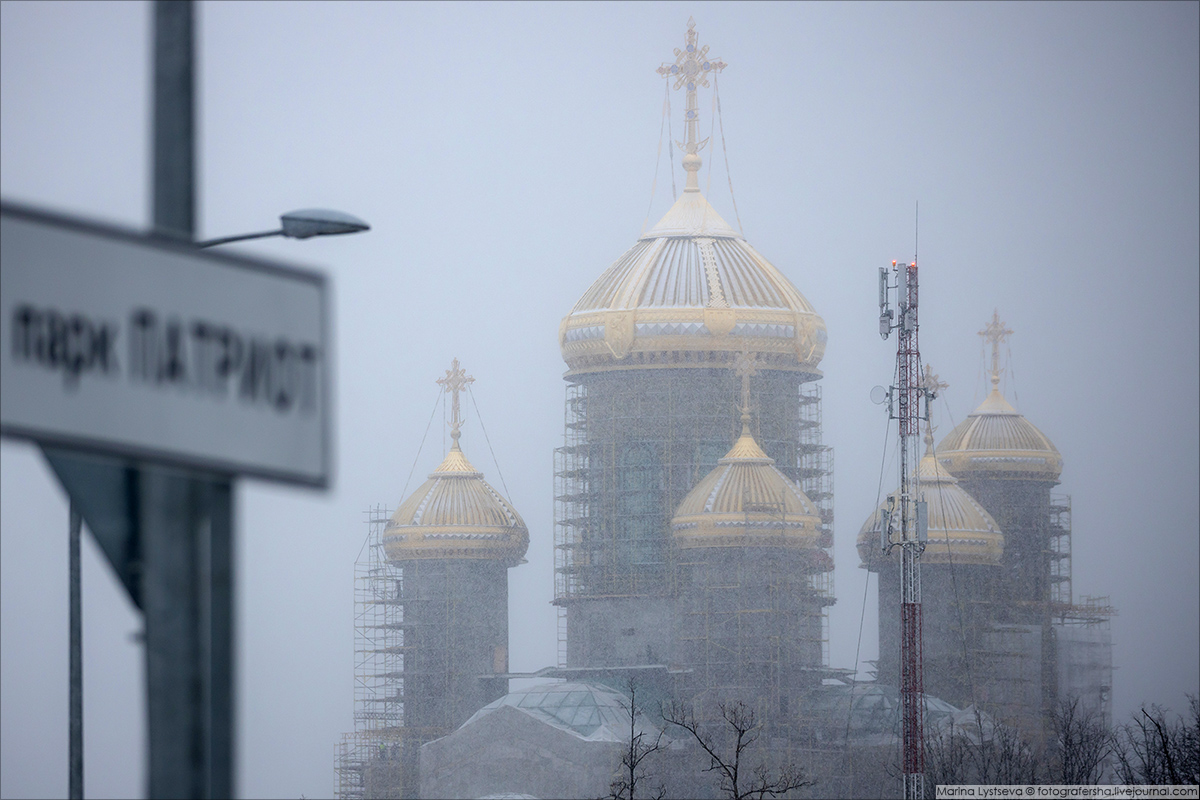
(504, 156)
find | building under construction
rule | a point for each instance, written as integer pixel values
(1003, 632)
(693, 511)
(432, 619)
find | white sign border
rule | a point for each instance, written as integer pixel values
(137, 453)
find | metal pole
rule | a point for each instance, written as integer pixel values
(75, 702)
(170, 596)
(185, 520)
(174, 119)
(220, 636)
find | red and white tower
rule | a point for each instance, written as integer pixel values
(912, 512)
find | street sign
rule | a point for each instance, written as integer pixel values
(129, 345)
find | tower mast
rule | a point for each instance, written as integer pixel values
(906, 396)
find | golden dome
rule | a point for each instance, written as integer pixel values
(960, 530)
(997, 442)
(456, 514)
(691, 292)
(747, 502)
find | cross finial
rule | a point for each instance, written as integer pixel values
(744, 365)
(995, 332)
(690, 70)
(931, 384)
(455, 381)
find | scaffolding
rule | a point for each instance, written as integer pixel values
(378, 669)
(571, 504)
(814, 474)
(750, 622)
(1083, 635)
(634, 444)
(1059, 545)
(1012, 689)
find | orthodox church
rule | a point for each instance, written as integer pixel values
(693, 550)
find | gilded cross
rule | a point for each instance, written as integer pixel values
(995, 332)
(690, 70)
(744, 366)
(931, 384)
(455, 381)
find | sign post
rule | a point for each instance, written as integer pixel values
(151, 374)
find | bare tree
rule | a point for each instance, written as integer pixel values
(1151, 749)
(1008, 759)
(999, 756)
(639, 746)
(949, 759)
(1082, 744)
(737, 780)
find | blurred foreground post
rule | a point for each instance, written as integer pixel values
(75, 694)
(185, 519)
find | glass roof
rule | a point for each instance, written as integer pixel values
(586, 710)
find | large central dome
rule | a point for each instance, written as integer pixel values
(692, 292)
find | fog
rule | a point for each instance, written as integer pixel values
(505, 155)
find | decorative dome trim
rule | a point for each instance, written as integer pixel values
(692, 215)
(746, 502)
(995, 439)
(707, 291)
(456, 514)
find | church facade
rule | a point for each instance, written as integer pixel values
(693, 542)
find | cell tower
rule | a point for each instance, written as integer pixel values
(904, 401)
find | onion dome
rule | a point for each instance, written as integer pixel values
(960, 530)
(456, 513)
(996, 441)
(691, 292)
(747, 502)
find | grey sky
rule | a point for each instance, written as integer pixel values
(504, 155)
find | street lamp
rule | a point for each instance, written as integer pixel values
(302, 224)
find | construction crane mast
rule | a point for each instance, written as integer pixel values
(911, 511)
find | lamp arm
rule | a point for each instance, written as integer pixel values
(238, 238)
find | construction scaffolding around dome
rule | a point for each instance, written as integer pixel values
(378, 669)
(431, 617)
(693, 537)
(634, 445)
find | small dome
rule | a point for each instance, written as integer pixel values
(995, 441)
(692, 292)
(589, 711)
(960, 531)
(456, 514)
(747, 502)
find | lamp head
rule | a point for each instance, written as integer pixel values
(320, 222)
